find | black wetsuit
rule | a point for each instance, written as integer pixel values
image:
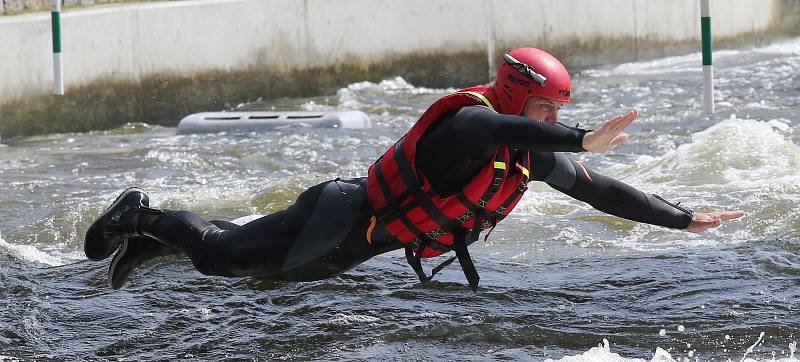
(449, 154)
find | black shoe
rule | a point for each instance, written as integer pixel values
(134, 252)
(107, 232)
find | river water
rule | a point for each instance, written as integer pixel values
(559, 280)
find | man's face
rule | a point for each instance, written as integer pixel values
(542, 109)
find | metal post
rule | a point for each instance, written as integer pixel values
(708, 69)
(58, 69)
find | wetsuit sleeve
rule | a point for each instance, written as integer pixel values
(607, 194)
(488, 127)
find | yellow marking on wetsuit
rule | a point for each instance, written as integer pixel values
(371, 228)
(585, 172)
(500, 165)
(525, 171)
(480, 97)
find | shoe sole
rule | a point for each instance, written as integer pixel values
(113, 267)
(94, 245)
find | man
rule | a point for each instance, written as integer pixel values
(460, 169)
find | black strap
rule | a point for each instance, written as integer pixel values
(467, 266)
(441, 266)
(462, 254)
(405, 166)
(416, 264)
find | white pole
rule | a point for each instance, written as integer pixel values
(58, 69)
(708, 68)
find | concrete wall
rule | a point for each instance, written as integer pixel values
(16, 6)
(128, 41)
(434, 41)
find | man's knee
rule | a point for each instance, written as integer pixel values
(210, 262)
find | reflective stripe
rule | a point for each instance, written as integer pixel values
(479, 96)
(500, 165)
(585, 172)
(525, 172)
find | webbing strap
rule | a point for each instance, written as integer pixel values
(387, 192)
(480, 97)
(386, 214)
(462, 254)
(467, 266)
(497, 178)
(392, 202)
(520, 188)
(416, 264)
(405, 166)
(424, 202)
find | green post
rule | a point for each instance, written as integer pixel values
(58, 69)
(708, 68)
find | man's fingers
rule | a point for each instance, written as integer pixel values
(611, 123)
(609, 134)
(620, 139)
(628, 118)
(729, 215)
(619, 123)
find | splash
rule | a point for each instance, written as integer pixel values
(691, 62)
(394, 85)
(602, 353)
(30, 253)
(676, 64)
(373, 96)
(342, 319)
(741, 152)
(789, 47)
(751, 348)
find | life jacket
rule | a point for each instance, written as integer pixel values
(406, 205)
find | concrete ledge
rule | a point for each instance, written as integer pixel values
(156, 62)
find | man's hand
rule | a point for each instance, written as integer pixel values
(709, 220)
(601, 139)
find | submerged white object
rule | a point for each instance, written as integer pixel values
(215, 122)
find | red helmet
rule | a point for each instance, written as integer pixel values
(529, 72)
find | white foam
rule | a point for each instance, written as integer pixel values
(788, 47)
(346, 320)
(681, 63)
(602, 353)
(393, 86)
(691, 62)
(31, 253)
(735, 152)
(358, 95)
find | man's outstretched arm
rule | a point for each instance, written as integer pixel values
(487, 127)
(617, 198)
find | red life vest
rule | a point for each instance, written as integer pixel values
(429, 225)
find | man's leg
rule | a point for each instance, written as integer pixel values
(257, 248)
(136, 251)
